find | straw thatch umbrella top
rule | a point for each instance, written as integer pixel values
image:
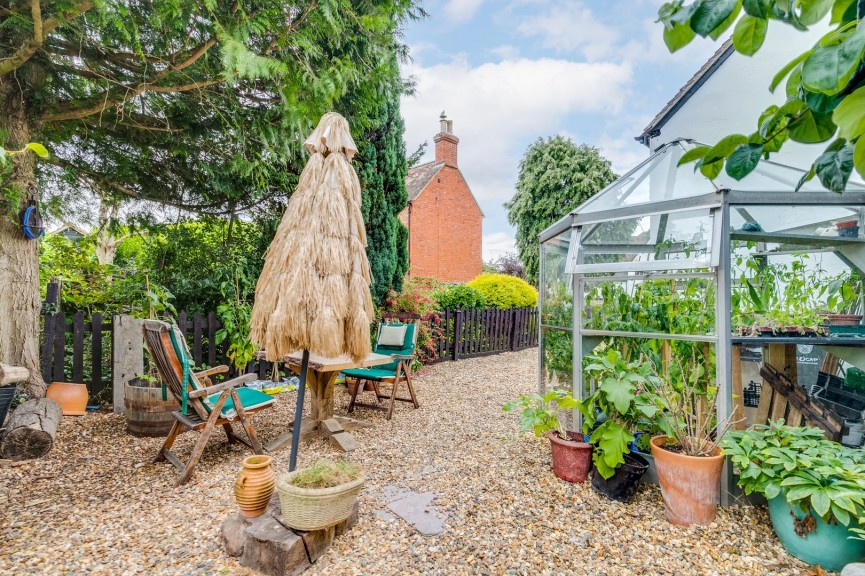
(313, 292)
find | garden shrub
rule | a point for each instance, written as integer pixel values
(503, 291)
(416, 297)
(459, 296)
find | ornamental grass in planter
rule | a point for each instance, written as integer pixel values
(687, 456)
(572, 458)
(319, 496)
(815, 489)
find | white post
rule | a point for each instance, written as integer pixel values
(127, 356)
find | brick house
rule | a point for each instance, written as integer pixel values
(443, 218)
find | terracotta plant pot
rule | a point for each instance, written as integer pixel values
(71, 397)
(572, 459)
(254, 485)
(843, 319)
(690, 484)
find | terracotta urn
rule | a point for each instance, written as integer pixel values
(71, 397)
(254, 485)
(690, 485)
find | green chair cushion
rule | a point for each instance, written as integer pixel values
(407, 348)
(377, 374)
(249, 399)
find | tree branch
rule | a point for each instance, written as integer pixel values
(40, 30)
(97, 104)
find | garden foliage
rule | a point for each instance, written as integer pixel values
(503, 291)
(459, 297)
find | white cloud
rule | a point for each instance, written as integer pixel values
(497, 244)
(459, 11)
(570, 27)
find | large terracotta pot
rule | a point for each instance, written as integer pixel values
(572, 458)
(690, 484)
(254, 486)
(71, 397)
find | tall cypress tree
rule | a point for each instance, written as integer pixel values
(382, 171)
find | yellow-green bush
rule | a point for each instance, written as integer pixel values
(503, 291)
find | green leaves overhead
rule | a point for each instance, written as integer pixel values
(712, 14)
(825, 85)
(829, 68)
(749, 34)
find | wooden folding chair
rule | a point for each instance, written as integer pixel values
(203, 407)
(397, 340)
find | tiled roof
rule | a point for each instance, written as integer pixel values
(419, 176)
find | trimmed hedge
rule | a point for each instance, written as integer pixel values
(459, 296)
(503, 291)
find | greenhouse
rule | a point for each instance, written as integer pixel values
(713, 280)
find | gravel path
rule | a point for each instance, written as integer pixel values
(95, 505)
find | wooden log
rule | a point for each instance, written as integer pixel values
(31, 429)
(12, 374)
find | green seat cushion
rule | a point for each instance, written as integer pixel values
(407, 348)
(370, 373)
(249, 399)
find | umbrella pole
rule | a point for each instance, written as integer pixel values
(298, 412)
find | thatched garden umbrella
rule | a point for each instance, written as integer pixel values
(313, 292)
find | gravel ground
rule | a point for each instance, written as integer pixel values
(95, 505)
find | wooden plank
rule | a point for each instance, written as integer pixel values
(344, 441)
(773, 355)
(196, 338)
(211, 338)
(458, 326)
(78, 347)
(59, 349)
(45, 355)
(96, 384)
(183, 323)
(127, 356)
(795, 395)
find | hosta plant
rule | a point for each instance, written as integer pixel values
(811, 472)
(624, 395)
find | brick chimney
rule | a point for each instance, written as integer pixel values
(446, 142)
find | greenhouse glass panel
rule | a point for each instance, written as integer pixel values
(557, 290)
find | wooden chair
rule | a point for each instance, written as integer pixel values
(397, 340)
(203, 407)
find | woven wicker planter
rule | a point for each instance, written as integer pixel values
(311, 509)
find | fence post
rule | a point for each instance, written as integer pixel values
(458, 328)
(514, 329)
(127, 356)
(50, 309)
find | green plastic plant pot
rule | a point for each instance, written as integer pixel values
(829, 545)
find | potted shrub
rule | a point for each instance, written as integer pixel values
(319, 496)
(624, 396)
(687, 456)
(571, 457)
(842, 300)
(815, 489)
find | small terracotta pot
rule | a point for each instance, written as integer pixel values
(843, 319)
(71, 397)
(254, 485)
(572, 459)
(847, 224)
(689, 484)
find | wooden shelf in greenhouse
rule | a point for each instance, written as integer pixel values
(807, 340)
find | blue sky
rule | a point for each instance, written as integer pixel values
(508, 72)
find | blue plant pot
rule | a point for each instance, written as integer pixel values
(829, 545)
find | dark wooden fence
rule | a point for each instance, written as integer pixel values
(480, 332)
(79, 349)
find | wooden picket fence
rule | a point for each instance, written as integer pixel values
(80, 349)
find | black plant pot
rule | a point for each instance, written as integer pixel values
(6, 395)
(622, 485)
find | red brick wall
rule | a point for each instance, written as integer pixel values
(446, 230)
(446, 148)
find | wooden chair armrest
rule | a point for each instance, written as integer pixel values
(211, 371)
(233, 383)
(402, 356)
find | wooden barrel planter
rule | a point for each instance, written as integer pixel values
(147, 414)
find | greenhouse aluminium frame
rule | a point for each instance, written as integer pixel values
(660, 220)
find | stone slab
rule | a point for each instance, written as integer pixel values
(855, 569)
(416, 508)
(266, 545)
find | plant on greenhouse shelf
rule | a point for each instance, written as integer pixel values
(843, 299)
(624, 395)
(815, 488)
(540, 414)
(777, 298)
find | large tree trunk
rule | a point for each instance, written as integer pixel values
(19, 258)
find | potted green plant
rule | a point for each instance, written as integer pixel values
(572, 457)
(815, 489)
(319, 496)
(687, 456)
(624, 396)
(843, 300)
